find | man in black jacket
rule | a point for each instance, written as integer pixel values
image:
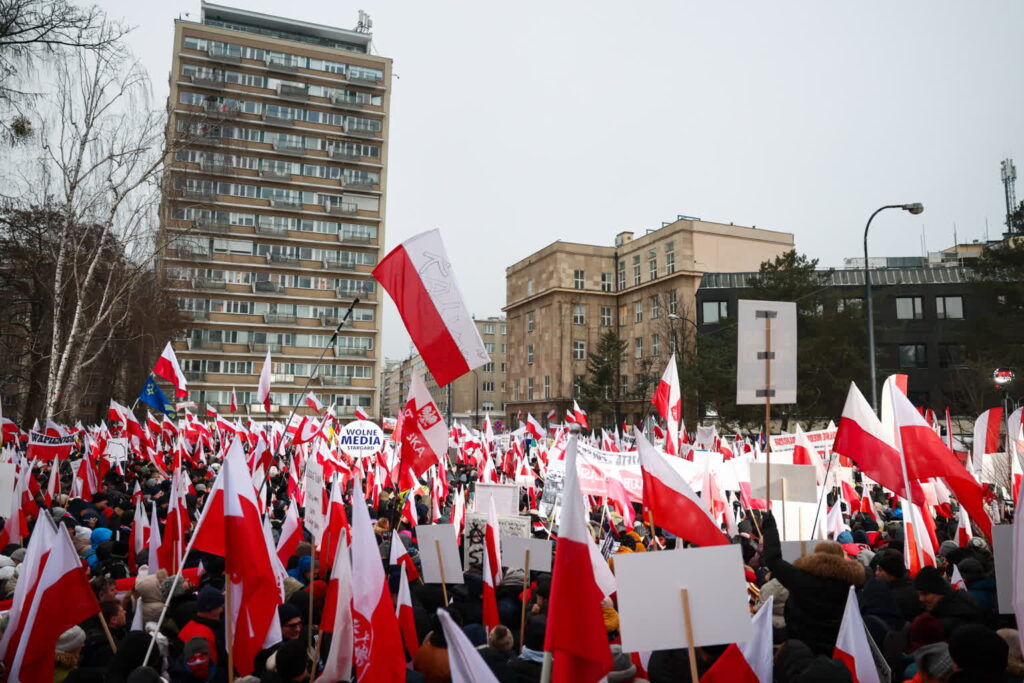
(954, 608)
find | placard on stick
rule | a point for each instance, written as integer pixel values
(428, 537)
(513, 553)
(506, 498)
(8, 476)
(476, 526)
(800, 481)
(650, 612)
(314, 508)
(752, 355)
(1002, 549)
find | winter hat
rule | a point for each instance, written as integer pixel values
(71, 640)
(977, 649)
(824, 670)
(946, 547)
(57, 514)
(830, 548)
(934, 660)
(83, 533)
(209, 599)
(623, 669)
(930, 580)
(892, 562)
(165, 588)
(971, 569)
(925, 630)
(196, 646)
(287, 611)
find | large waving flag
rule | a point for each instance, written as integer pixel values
(862, 438)
(337, 619)
(263, 390)
(466, 664)
(154, 397)
(669, 402)
(167, 367)
(492, 568)
(424, 439)
(749, 662)
(421, 282)
(852, 647)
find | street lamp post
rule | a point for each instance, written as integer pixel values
(915, 209)
(476, 399)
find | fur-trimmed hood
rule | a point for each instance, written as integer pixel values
(827, 566)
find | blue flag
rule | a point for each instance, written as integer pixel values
(153, 396)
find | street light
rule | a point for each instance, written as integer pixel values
(915, 209)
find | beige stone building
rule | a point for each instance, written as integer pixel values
(274, 205)
(562, 299)
(475, 394)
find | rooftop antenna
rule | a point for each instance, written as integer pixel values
(1009, 175)
(365, 24)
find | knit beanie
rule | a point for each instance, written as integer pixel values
(930, 580)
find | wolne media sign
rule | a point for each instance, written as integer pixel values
(360, 439)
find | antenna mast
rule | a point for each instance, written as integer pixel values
(1009, 174)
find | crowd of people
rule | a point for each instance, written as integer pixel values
(924, 629)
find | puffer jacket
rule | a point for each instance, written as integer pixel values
(818, 585)
(152, 600)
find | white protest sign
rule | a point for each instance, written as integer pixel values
(513, 553)
(429, 537)
(756, 346)
(476, 527)
(505, 496)
(794, 550)
(360, 439)
(1002, 549)
(651, 607)
(7, 483)
(821, 439)
(800, 481)
(314, 508)
(117, 450)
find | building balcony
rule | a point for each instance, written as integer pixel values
(192, 254)
(282, 65)
(354, 238)
(267, 287)
(205, 283)
(275, 174)
(292, 92)
(198, 194)
(208, 81)
(209, 138)
(195, 315)
(335, 381)
(341, 208)
(221, 110)
(195, 376)
(255, 347)
(225, 56)
(279, 319)
(194, 344)
(275, 230)
(340, 265)
(352, 352)
(364, 80)
(343, 154)
(286, 203)
(281, 258)
(360, 184)
(348, 102)
(277, 119)
(355, 132)
(282, 379)
(356, 294)
(329, 320)
(212, 225)
(211, 166)
(288, 147)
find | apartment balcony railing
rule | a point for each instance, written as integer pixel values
(340, 264)
(343, 153)
(255, 347)
(219, 109)
(195, 376)
(335, 381)
(204, 283)
(279, 319)
(189, 253)
(267, 287)
(281, 258)
(329, 320)
(277, 119)
(212, 225)
(208, 81)
(226, 56)
(212, 166)
(352, 352)
(282, 65)
(293, 92)
(357, 132)
(276, 230)
(282, 379)
(288, 147)
(355, 238)
(275, 173)
(286, 202)
(355, 184)
(356, 294)
(205, 344)
(341, 208)
(198, 193)
(364, 80)
(195, 315)
(348, 102)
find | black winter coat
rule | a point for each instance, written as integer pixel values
(957, 608)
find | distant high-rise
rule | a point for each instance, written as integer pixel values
(274, 203)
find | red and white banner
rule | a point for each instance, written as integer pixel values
(43, 446)
(167, 367)
(421, 282)
(821, 438)
(668, 400)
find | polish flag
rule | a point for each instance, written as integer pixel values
(671, 500)
(749, 662)
(211, 411)
(400, 557)
(575, 632)
(986, 437)
(927, 457)
(918, 550)
(852, 646)
(804, 453)
(140, 530)
(231, 528)
(492, 568)
(361, 414)
(291, 534)
(263, 390)
(336, 527)
(234, 401)
(579, 415)
(956, 579)
(534, 427)
(406, 620)
(619, 498)
(867, 506)
(424, 434)
(851, 497)
(314, 404)
(337, 619)
(377, 638)
(1018, 566)
(964, 534)
(422, 284)
(464, 660)
(669, 402)
(167, 367)
(458, 515)
(155, 542)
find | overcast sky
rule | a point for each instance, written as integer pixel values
(514, 124)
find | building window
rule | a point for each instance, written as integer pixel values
(672, 305)
(487, 387)
(529, 388)
(579, 314)
(909, 308)
(606, 316)
(714, 311)
(515, 391)
(489, 346)
(504, 367)
(624, 382)
(488, 328)
(638, 345)
(849, 304)
(578, 279)
(652, 264)
(579, 349)
(487, 367)
(547, 386)
(636, 269)
(529, 288)
(529, 321)
(655, 306)
(504, 348)
(670, 258)
(952, 355)
(949, 307)
(606, 282)
(622, 275)
(529, 354)
(487, 406)
(504, 329)
(577, 385)
(638, 311)
(913, 356)
(655, 345)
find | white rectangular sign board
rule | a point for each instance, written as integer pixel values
(1002, 549)
(752, 351)
(506, 499)
(430, 537)
(651, 607)
(7, 485)
(513, 553)
(476, 525)
(801, 484)
(314, 508)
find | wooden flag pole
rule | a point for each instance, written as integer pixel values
(691, 651)
(526, 586)
(440, 563)
(312, 578)
(784, 498)
(800, 523)
(106, 631)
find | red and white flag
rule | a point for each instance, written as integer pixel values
(263, 390)
(155, 542)
(672, 502)
(964, 534)
(361, 414)
(234, 401)
(1018, 566)
(291, 534)
(986, 437)
(956, 579)
(579, 415)
(314, 403)
(804, 453)
(669, 402)
(464, 660)
(575, 632)
(492, 567)
(337, 619)
(862, 438)
(852, 647)
(749, 662)
(406, 619)
(534, 427)
(422, 284)
(400, 557)
(424, 434)
(376, 636)
(167, 367)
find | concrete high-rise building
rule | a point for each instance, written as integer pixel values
(274, 199)
(562, 299)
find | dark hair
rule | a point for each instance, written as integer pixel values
(110, 608)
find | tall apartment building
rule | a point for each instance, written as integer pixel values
(274, 200)
(562, 299)
(475, 394)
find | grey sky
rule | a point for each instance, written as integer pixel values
(518, 123)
